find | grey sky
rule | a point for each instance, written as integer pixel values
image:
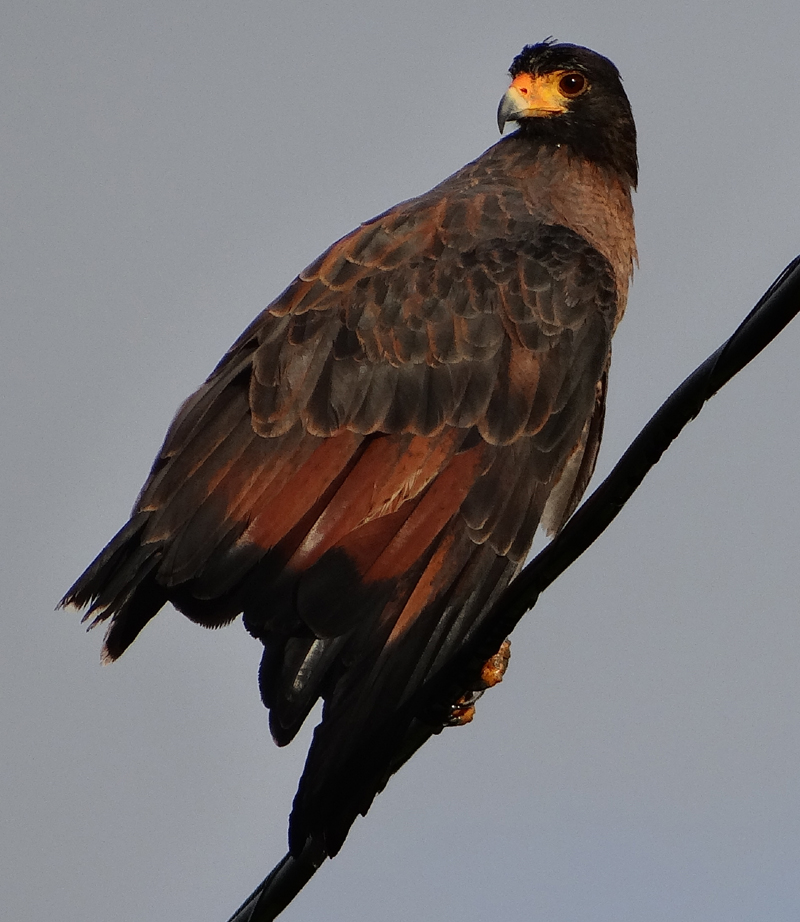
(167, 169)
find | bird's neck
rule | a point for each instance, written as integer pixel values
(561, 187)
(593, 200)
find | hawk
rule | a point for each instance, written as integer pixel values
(363, 472)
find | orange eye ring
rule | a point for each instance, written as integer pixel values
(573, 84)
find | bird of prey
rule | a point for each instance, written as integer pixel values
(363, 472)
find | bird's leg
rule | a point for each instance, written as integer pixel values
(463, 710)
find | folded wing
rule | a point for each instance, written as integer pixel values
(364, 471)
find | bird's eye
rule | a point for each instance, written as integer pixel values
(573, 84)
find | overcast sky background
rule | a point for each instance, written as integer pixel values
(168, 167)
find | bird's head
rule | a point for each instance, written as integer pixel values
(566, 94)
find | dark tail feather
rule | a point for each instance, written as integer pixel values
(280, 887)
(292, 873)
(119, 585)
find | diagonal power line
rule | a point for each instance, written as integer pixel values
(773, 312)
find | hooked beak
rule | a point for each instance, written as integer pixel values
(529, 97)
